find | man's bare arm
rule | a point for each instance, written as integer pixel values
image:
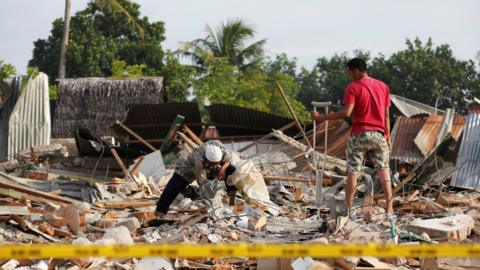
(345, 113)
(387, 124)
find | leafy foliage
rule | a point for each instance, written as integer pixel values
(228, 41)
(98, 37)
(6, 70)
(421, 72)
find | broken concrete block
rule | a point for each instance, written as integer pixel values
(132, 224)
(120, 234)
(9, 165)
(302, 263)
(455, 228)
(153, 264)
(256, 223)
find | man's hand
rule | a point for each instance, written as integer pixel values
(221, 174)
(317, 117)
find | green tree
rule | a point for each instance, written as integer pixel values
(6, 70)
(327, 79)
(178, 78)
(253, 88)
(113, 6)
(98, 38)
(228, 41)
(428, 73)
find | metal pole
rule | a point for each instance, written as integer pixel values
(315, 163)
(324, 158)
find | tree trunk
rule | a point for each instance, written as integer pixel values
(64, 45)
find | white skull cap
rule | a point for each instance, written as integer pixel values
(213, 153)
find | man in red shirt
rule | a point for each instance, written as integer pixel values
(367, 100)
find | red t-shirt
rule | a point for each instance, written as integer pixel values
(370, 97)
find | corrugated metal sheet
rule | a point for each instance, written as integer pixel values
(467, 169)
(29, 123)
(11, 89)
(403, 134)
(410, 107)
(231, 120)
(427, 136)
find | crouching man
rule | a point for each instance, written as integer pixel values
(209, 160)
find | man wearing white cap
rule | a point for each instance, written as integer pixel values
(207, 161)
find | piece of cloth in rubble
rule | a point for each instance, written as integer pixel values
(248, 179)
(194, 167)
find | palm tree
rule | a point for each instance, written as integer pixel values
(228, 41)
(112, 6)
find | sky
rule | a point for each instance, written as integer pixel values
(304, 29)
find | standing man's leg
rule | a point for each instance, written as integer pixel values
(355, 154)
(384, 175)
(381, 158)
(351, 188)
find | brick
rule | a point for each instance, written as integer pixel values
(46, 228)
(132, 224)
(145, 216)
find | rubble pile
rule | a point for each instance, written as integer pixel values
(55, 194)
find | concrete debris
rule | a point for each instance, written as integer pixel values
(455, 228)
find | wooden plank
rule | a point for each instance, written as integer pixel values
(177, 122)
(192, 135)
(405, 181)
(8, 183)
(138, 137)
(14, 210)
(134, 170)
(299, 125)
(127, 174)
(127, 204)
(282, 129)
(289, 179)
(187, 140)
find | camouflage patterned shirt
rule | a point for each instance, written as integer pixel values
(194, 167)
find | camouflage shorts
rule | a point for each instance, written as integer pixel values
(372, 143)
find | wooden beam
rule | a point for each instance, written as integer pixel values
(134, 170)
(8, 183)
(192, 135)
(280, 89)
(289, 179)
(167, 142)
(405, 181)
(125, 171)
(138, 137)
(187, 140)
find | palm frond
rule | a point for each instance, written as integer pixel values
(114, 7)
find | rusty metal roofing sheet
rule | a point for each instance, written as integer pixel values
(231, 120)
(12, 90)
(426, 139)
(467, 170)
(403, 134)
(152, 121)
(410, 107)
(29, 123)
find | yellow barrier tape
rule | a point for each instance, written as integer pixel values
(240, 250)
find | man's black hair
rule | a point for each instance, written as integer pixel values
(357, 63)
